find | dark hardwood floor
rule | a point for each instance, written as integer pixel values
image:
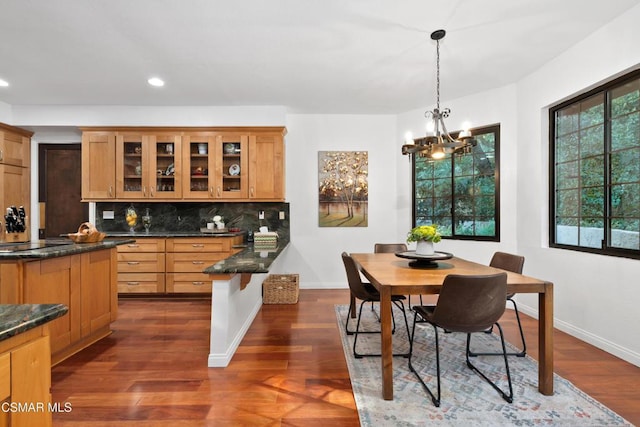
(289, 369)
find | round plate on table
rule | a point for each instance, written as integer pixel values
(424, 261)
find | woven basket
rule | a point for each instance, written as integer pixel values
(87, 233)
(280, 289)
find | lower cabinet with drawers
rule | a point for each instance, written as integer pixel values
(171, 265)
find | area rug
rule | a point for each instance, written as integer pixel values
(466, 399)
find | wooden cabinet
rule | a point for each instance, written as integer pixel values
(199, 166)
(233, 164)
(98, 165)
(148, 166)
(266, 167)
(187, 257)
(85, 283)
(141, 266)
(14, 191)
(172, 265)
(25, 378)
(15, 146)
(15, 188)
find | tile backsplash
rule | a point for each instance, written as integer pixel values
(190, 217)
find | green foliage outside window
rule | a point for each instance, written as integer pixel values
(595, 159)
(460, 193)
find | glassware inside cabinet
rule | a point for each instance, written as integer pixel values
(199, 166)
(132, 166)
(165, 166)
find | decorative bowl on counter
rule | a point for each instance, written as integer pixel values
(87, 233)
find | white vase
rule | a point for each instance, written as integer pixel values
(424, 247)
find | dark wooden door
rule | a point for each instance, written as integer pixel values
(60, 189)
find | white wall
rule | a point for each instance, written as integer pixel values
(486, 108)
(5, 113)
(315, 251)
(596, 297)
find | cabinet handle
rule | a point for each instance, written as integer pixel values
(144, 191)
(198, 283)
(111, 191)
(133, 283)
(197, 262)
(197, 245)
(218, 191)
(251, 191)
(1, 156)
(211, 191)
(133, 263)
(151, 192)
(133, 245)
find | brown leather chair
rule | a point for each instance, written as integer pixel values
(366, 292)
(392, 248)
(466, 304)
(389, 247)
(513, 263)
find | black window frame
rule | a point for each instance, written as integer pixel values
(493, 128)
(605, 90)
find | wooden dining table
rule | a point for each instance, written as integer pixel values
(392, 275)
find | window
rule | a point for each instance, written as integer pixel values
(595, 170)
(460, 193)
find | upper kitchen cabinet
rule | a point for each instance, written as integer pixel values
(15, 146)
(266, 166)
(199, 165)
(15, 188)
(98, 165)
(217, 165)
(224, 164)
(232, 172)
(148, 166)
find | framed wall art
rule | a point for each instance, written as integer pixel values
(343, 189)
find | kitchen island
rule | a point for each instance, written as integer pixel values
(25, 363)
(237, 296)
(80, 276)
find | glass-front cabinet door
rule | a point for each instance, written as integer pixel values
(165, 166)
(199, 166)
(232, 167)
(131, 166)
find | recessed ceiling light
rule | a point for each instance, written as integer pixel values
(3, 83)
(155, 81)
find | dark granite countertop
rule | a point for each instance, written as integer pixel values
(18, 318)
(252, 259)
(171, 234)
(52, 248)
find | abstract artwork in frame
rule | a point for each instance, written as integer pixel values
(343, 189)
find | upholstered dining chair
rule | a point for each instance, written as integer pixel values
(366, 292)
(466, 304)
(392, 248)
(513, 263)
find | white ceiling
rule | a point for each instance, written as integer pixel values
(323, 56)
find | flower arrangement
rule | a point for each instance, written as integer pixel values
(428, 233)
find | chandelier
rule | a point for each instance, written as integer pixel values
(438, 142)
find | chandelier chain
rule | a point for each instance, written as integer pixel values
(438, 74)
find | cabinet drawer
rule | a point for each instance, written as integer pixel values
(140, 283)
(200, 244)
(192, 263)
(188, 283)
(5, 376)
(143, 245)
(140, 262)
